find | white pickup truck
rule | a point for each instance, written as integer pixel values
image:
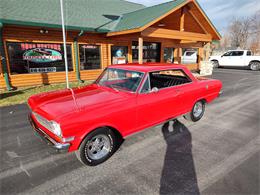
(236, 58)
(189, 57)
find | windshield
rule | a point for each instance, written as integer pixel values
(120, 79)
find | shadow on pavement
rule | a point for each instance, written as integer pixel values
(178, 174)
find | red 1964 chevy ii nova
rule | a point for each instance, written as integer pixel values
(125, 99)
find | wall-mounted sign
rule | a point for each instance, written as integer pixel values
(90, 46)
(42, 55)
(25, 46)
(46, 69)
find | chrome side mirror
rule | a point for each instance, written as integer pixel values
(154, 90)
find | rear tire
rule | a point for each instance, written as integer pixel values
(254, 66)
(215, 64)
(97, 147)
(197, 112)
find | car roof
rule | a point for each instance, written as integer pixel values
(148, 67)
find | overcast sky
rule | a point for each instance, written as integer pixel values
(220, 11)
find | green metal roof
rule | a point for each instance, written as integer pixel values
(92, 15)
(89, 15)
(144, 16)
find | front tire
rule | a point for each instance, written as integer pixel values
(254, 66)
(97, 147)
(197, 112)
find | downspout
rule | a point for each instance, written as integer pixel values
(3, 59)
(75, 44)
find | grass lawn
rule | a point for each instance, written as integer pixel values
(21, 95)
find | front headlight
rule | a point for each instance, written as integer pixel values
(53, 126)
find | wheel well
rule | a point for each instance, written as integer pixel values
(254, 61)
(203, 100)
(116, 132)
(214, 60)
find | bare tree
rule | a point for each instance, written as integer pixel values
(254, 44)
(243, 33)
(225, 42)
(239, 32)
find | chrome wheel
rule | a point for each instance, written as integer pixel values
(198, 109)
(98, 147)
(215, 64)
(254, 66)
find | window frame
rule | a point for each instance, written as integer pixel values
(249, 52)
(101, 56)
(159, 50)
(130, 92)
(225, 54)
(175, 69)
(168, 48)
(119, 45)
(147, 77)
(237, 52)
(6, 41)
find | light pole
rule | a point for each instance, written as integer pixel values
(64, 44)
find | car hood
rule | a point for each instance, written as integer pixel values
(56, 104)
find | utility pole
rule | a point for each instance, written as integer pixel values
(64, 44)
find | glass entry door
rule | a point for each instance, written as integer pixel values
(168, 55)
(151, 51)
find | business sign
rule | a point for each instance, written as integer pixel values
(41, 70)
(42, 55)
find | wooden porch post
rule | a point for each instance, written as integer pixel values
(200, 56)
(183, 11)
(207, 51)
(140, 50)
(177, 55)
(130, 56)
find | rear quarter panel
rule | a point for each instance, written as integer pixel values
(209, 88)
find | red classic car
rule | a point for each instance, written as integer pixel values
(125, 99)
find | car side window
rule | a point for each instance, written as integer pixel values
(146, 86)
(237, 53)
(228, 54)
(168, 78)
(249, 53)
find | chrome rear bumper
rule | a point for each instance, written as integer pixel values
(61, 147)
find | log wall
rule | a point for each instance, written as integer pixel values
(32, 34)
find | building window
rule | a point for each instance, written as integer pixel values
(119, 54)
(90, 57)
(168, 56)
(30, 57)
(189, 56)
(151, 51)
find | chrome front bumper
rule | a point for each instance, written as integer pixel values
(61, 147)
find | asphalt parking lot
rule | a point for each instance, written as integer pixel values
(217, 155)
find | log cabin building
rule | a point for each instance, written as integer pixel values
(98, 33)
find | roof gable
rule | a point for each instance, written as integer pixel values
(139, 18)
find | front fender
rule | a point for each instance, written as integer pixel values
(82, 134)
